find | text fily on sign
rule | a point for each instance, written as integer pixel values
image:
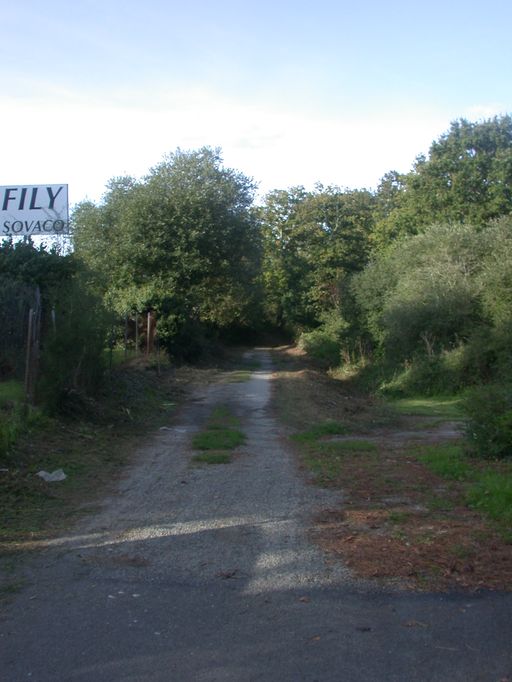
(31, 210)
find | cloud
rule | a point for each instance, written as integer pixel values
(477, 112)
(83, 141)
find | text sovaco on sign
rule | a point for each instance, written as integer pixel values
(34, 210)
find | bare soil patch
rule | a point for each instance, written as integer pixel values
(400, 522)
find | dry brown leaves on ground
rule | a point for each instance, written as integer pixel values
(400, 522)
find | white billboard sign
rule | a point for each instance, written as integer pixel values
(33, 210)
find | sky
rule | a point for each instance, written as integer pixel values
(293, 92)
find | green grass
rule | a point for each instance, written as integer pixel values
(326, 469)
(14, 417)
(448, 461)
(218, 438)
(14, 423)
(89, 449)
(212, 458)
(119, 355)
(487, 490)
(11, 392)
(325, 458)
(448, 407)
(328, 428)
(492, 494)
(352, 445)
(398, 517)
(237, 376)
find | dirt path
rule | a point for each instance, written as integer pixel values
(247, 519)
(207, 573)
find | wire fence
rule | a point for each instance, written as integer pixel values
(20, 314)
(25, 323)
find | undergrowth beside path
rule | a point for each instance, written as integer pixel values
(91, 448)
(417, 509)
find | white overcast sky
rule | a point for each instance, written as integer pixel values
(293, 92)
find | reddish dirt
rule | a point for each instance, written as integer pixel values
(400, 523)
(423, 553)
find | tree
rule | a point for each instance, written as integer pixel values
(183, 241)
(424, 292)
(285, 269)
(466, 178)
(313, 240)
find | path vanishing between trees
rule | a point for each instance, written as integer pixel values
(208, 573)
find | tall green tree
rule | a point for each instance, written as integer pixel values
(466, 178)
(183, 241)
(313, 240)
(285, 271)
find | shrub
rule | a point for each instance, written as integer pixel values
(489, 423)
(14, 422)
(324, 344)
(429, 375)
(72, 359)
(492, 494)
(421, 294)
(495, 276)
(321, 346)
(448, 461)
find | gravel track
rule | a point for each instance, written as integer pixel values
(247, 519)
(207, 573)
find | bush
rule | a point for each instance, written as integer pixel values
(492, 494)
(324, 344)
(14, 422)
(321, 346)
(495, 275)
(489, 423)
(421, 295)
(429, 375)
(72, 358)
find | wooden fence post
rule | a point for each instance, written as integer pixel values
(33, 344)
(28, 353)
(126, 336)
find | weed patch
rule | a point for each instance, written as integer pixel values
(436, 503)
(236, 377)
(351, 445)
(90, 448)
(423, 516)
(222, 417)
(447, 461)
(328, 428)
(11, 589)
(11, 392)
(398, 517)
(450, 407)
(219, 438)
(492, 494)
(212, 458)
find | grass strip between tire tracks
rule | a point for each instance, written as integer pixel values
(219, 438)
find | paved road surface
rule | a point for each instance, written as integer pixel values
(207, 574)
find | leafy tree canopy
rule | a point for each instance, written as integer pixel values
(312, 241)
(182, 241)
(466, 178)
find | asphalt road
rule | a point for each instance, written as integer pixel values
(208, 574)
